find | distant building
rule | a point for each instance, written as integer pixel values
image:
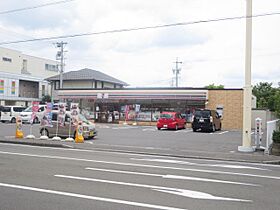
(22, 77)
(84, 79)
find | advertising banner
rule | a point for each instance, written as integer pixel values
(47, 118)
(13, 90)
(126, 112)
(61, 114)
(1, 86)
(35, 109)
(74, 113)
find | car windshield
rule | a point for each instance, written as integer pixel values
(202, 113)
(166, 116)
(28, 109)
(82, 118)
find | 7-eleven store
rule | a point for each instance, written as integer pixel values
(118, 105)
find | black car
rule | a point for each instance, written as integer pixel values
(206, 120)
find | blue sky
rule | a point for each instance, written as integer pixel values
(210, 52)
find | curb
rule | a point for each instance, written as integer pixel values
(34, 143)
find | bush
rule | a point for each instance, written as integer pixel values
(276, 136)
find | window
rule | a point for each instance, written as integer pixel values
(51, 67)
(43, 90)
(18, 109)
(7, 59)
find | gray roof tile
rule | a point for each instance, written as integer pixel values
(87, 74)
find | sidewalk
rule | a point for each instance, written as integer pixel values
(256, 157)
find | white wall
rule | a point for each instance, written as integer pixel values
(35, 65)
(16, 60)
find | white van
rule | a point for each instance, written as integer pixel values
(27, 114)
(10, 113)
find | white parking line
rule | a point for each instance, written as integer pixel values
(75, 195)
(223, 132)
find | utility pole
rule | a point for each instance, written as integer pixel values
(176, 71)
(247, 91)
(60, 56)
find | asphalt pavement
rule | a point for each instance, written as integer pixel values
(221, 145)
(49, 178)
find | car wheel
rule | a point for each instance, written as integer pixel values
(13, 120)
(194, 129)
(45, 132)
(158, 128)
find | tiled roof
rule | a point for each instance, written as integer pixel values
(87, 74)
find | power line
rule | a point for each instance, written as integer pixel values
(138, 28)
(34, 7)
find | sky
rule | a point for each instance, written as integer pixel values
(212, 52)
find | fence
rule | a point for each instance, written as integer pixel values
(271, 126)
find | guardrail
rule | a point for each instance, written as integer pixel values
(271, 126)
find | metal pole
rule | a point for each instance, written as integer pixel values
(247, 91)
(61, 66)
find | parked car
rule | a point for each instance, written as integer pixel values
(171, 120)
(206, 120)
(89, 130)
(27, 114)
(10, 113)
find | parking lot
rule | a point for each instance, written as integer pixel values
(148, 137)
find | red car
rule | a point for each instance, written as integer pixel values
(171, 120)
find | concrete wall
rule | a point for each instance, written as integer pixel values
(265, 115)
(232, 101)
(35, 66)
(14, 65)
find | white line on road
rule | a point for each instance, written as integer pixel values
(181, 192)
(69, 194)
(199, 164)
(170, 176)
(140, 165)
(140, 155)
(149, 129)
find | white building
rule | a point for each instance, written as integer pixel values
(22, 77)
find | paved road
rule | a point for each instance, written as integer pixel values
(56, 178)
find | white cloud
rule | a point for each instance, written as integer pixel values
(211, 52)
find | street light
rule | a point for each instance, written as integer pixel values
(247, 92)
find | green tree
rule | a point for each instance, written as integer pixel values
(265, 95)
(46, 98)
(213, 86)
(277, 102)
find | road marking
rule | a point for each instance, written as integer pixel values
(149, 129)
(223, 132)
(139, 165)
(170, 176)
(199, 164)
(69, 194)
(177, 191)
(140, 155)
(127, 127)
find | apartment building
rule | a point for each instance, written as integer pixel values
(22, 77)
